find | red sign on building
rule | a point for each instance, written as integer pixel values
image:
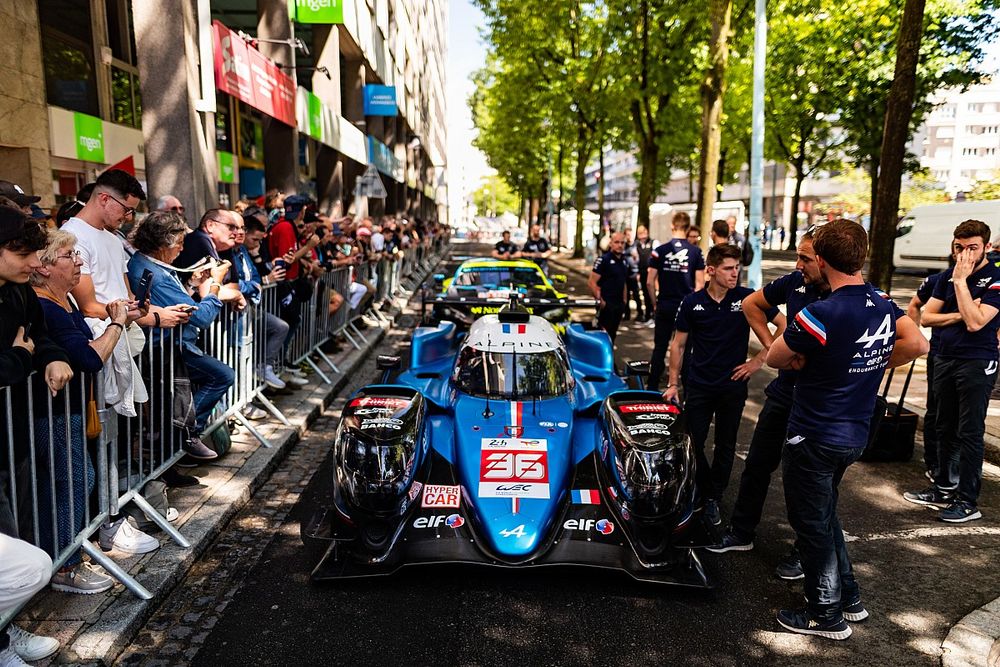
(243, 72)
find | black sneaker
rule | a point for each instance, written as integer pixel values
(730, 542)
(960, 512)
(854, 612)
(790, 568)
(931, 496)
(712, 512)
(802, 622)
(175, 479)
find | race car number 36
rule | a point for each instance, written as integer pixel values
(514, 468)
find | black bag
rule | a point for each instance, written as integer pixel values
(893, 427)
(747, 255)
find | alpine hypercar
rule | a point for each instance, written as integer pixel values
(511, 446)
(486, 285)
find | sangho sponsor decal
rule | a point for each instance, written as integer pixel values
(648, 429)
(382, 422)
(631, 408)
(514, 468)
(441, 495)
(380, 402)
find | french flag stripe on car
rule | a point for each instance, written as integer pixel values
(515, 329)
(812, 325)
(586, 497)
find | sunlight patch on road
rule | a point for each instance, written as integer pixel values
(933, 531)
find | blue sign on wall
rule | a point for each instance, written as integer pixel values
(380, 100)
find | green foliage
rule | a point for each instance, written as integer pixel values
(986, 190)
(494, 197)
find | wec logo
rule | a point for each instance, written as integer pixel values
(884, 333)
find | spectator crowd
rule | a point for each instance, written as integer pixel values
(143, 298)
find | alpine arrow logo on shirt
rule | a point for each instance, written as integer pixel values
(883, 334)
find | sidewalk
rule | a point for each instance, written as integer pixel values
(94, 629)
(974, 641)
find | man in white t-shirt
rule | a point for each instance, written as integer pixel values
(105, 261)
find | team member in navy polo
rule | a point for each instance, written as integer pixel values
(796, 290)
(841, 346)
(715, 385)
(607, 284)
(676, 269)
(537, 248)
(919, 300)
(964, 309)
(504, 249)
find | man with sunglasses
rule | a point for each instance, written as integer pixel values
(216, 234)
(105, 261)
(169, 203)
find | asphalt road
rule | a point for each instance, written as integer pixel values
(918, 577)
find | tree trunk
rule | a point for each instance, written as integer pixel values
(690, 179)
(722, 175)
(600, 182)
(713, 89)
(582, 153)
(649, 158)
(873, 169)
(559, 201)
(793, 226)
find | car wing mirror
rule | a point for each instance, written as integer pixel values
(639, 370)
(387, 364)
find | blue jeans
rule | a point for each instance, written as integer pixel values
(812, 473)
(210, 379)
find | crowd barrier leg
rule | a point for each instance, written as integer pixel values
(273, 409)
(328, 361)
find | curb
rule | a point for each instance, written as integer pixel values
(123, 615)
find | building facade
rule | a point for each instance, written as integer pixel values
(961, 137)
(214, 100)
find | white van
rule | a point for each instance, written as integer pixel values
(923, 237)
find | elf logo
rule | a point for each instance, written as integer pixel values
(603, 526)
(884, 333)
(451, 520)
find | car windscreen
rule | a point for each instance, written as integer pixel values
(509, 375)
(499, 277)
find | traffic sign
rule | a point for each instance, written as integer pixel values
(371, 184)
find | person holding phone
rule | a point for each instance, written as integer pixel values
(158, 240)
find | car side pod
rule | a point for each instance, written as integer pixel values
(650, 466)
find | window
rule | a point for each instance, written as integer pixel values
(509, 375)
(974, 107)
(947, 110)
(942, 152)
(947, 132)
(966, 152)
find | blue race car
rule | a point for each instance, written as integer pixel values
(511, 446)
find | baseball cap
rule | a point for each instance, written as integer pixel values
(310, 216)
(14, 192)
(38, 213)
(12, 222)
(294, 204)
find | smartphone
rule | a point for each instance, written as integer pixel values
(142, 290)
(27, 331)
(189, 309)
(280, 264)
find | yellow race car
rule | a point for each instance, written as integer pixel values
(488, 284)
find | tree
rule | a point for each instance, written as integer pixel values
(899, 108)
(713, 90)
(494, 197)
(985, 190)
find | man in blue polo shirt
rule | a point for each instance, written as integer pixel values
(964, 310)
(676, 269)
(841, 346)
(607, 284)
(715, 385)
(796, 290)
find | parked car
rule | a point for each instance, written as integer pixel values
(923, 236)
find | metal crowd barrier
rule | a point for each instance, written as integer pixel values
(42, 484)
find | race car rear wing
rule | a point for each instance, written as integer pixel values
(512, 301)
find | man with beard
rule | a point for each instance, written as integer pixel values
(964, 310)
(841, 346)
(795, 290)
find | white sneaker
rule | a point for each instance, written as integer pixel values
(297, 381)
(271, 378)
(649, 324)
(28, 646)
(131, 540)
(8, 658)
(254, 413)
(298, 372)
(82, 579)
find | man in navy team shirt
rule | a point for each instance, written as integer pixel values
(607, 284)
(677, 268)
(796, 290)
(963, 309)
(841, 346)
(919, 300)
(715, 385)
